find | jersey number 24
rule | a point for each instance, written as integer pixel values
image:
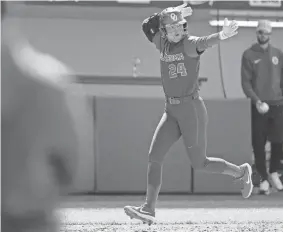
(175, 70)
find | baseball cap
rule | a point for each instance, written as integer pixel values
(264, 25)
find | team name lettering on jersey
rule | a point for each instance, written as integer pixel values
(171, 58)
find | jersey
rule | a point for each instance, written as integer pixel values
(179, 70)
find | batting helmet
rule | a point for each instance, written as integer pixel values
(170, 18)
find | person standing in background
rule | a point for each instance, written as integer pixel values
(262, 82)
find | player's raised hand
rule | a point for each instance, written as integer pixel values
(229, 29)
(185, 9)
(198, 2)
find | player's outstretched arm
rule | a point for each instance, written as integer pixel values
(195, 46)
(150, 27)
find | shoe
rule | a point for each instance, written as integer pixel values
(276, 181)
(143, 213)
(264, 187)
(246, 180)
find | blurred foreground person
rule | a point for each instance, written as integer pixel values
(39, 142)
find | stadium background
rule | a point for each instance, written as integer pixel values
(101, 42)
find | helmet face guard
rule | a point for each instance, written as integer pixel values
(172, 24)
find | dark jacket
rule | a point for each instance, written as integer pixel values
(262, 74)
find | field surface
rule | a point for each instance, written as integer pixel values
(175, 214)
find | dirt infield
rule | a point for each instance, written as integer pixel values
(175, 213)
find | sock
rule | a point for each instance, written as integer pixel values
(154, 180)
(218, 165)
(213, 164)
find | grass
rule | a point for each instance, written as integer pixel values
(176, 214)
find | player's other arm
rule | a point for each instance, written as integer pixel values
(246, 78)
(150, 27)
(195, 46)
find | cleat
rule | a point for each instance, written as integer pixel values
(264, 188)
(141, 213)
(276, 182)
(246, 180)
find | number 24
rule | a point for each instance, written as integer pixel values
(174, 70)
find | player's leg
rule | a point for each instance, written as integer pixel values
(259, 139)
(193, 125)
(166, 134)
(276, 140)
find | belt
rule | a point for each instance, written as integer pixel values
(179, 100)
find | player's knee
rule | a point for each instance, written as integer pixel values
(199, 164)
(198, 158)
(155, 158)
